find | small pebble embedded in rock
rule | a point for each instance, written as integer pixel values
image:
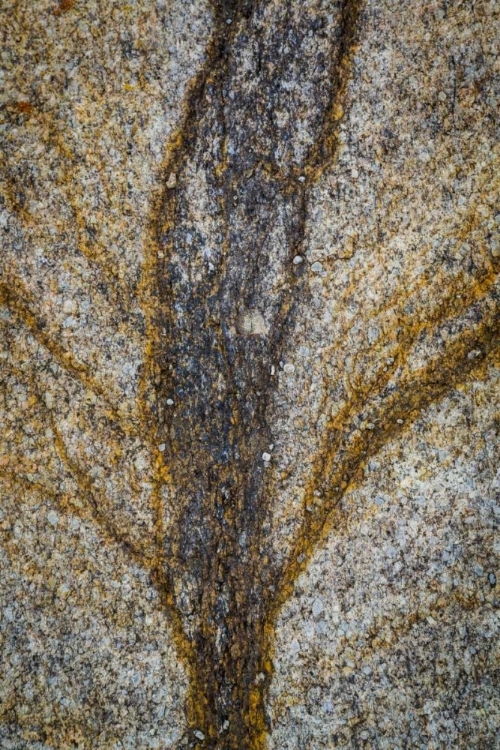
(172, 180)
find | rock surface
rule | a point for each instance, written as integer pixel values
(391, 636)
(249, 463)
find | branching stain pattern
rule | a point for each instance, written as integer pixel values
(242, 175)
(220, 292)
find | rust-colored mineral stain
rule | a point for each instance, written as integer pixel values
(64, 6)
(24, 107)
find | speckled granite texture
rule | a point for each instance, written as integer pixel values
(249, 367)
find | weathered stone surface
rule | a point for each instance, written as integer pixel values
(390, 638)
(249, 331)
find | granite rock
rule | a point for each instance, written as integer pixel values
(249, 365)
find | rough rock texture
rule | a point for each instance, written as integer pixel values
(391, 636)
(249, 365)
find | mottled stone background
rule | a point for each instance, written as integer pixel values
(389, 637)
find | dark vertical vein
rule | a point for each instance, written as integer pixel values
(228, 232)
